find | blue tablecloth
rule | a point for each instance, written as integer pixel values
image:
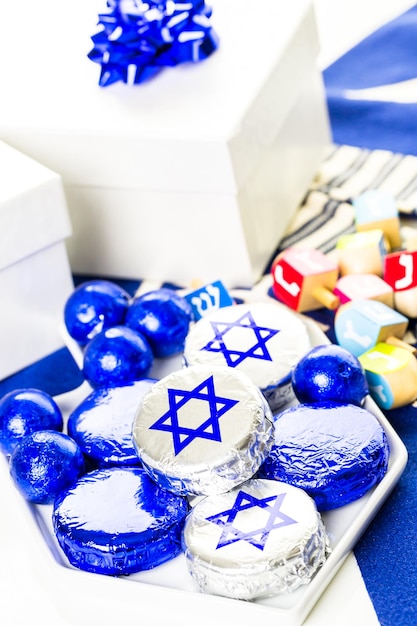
(362, 113)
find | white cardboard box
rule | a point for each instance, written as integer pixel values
(35, 276)
(193, 175)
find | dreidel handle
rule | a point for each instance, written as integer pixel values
(326, 297)
(399, 343)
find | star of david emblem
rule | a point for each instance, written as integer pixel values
(209, 429)
(258, 536)
(233, 356)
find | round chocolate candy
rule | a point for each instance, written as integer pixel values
(203, 430)
(94, 306)
(102, 423)
(263, 340)
(336, 453)
(262, 538)
(117, 356)
(24, 411)
(163, 316)
(330, 373)
(117, 521)
(44, 464)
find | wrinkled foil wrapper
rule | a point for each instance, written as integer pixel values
(203, 430)
(263, 340)
(336, 453)
(260, 539)
(138, 39)
(116, 521)
(102, 423)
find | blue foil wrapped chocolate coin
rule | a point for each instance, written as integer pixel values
(117, 521)
(163, 317)
(262, 340)
(262, 538)
(336, 453)
(94, 306)
(45, 464)
(203, 430)
(102, 423)
(117, 356)
(330, 373)
(24, 411)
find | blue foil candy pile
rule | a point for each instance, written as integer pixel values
(139, 39)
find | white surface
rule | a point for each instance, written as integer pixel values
(35, 276)
(34, 292)
(159, 234)
(232, 142)
(344, 526)
(191, 102)
(33, 211)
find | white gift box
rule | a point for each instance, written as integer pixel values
(35, 275)
(193, 175)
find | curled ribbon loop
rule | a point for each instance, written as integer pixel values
(139, 38)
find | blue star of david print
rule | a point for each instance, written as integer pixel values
(258, 536)
(234, 356)
(210, 429)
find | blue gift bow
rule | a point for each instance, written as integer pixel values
(140, 38)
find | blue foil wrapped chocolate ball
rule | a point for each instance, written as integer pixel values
(117, 521)
(45, 464)
(163, 317)
(117, 356)
(330, 373)
(335, 452)
(94, 306)
(24, 411)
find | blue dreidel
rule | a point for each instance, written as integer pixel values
(375, 208)
(208, 298)
(391, 373)
(360, 324)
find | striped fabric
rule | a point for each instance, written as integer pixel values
(347, 171)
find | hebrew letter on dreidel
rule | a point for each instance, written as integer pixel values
(350, 333)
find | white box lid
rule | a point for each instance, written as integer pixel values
(33, 212)
(227, 109)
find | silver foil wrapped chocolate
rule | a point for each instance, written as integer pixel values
(264, 340)
(262, 538)
(203, 430)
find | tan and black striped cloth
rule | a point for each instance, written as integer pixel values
(347, 171)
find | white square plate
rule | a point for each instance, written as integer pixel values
(167, 593)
